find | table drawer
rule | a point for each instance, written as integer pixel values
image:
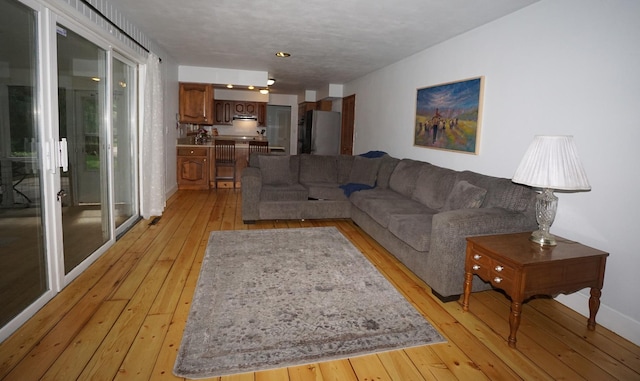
(192, 151)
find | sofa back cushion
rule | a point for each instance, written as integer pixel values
(345, 162)
(404, 176)
(464, 195)
(276, 170)
(364, 170)
(501, 192)
(318, 169)
(433, 185)
(387, 165)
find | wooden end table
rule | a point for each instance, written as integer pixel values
(524, 269)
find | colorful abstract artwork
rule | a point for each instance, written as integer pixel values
(448, 116)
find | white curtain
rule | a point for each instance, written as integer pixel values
(152, 192)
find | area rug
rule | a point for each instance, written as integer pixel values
(282, 297)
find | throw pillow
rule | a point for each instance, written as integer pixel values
(364, 170)
(464, 195)
(275, 170)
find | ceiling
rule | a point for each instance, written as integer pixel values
(330, 41)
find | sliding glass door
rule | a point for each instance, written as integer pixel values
(124, 151)
(22, 243)
(68, 178)
(82, 103)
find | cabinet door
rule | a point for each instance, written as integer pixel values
(193, 173)
(223, 112)
(238, 108)
(250, 108)
(196, 103)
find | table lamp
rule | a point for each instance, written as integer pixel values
(551, 163)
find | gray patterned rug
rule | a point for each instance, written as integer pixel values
(282, 297)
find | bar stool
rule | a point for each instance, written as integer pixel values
(224, 156)
(257, 146)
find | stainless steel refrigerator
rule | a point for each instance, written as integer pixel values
(320, 133)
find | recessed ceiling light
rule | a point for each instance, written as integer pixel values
(229, 86)
(264, 91)
(270, 81)
(283, 54)
(250, 87)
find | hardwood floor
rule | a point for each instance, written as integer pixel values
(123, 318)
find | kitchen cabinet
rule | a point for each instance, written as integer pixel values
(193, 168)
(223, 112)
(196, 103)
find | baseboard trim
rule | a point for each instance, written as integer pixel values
(607, 317)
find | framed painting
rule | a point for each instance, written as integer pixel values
(448, 116)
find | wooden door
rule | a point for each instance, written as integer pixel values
(348, 121)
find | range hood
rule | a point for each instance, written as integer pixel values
(244, 117)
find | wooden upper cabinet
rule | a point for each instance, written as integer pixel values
(348, 121)
(196, 103)
(223, 112)
(250, 108)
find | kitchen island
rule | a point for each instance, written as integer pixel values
(196, 162)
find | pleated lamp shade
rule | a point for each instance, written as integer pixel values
(552, 162)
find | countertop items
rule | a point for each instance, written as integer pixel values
(191, 141)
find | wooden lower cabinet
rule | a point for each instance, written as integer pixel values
(193, 168)
(196, 167)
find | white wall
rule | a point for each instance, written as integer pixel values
(556, 67)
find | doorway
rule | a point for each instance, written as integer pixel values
(279, 127)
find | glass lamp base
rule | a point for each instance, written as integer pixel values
(543, 238)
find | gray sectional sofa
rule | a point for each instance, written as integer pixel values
(420, 212)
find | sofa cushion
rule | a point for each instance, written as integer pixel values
(318, 169)
(433, 185)
(387, 165)
(464, 196)
(501, 192)
(404, 176)
(291, 192)
(344, 162)
(412, 229)
(364, 170)
(275, 170)
(325, 191)
(381, 205)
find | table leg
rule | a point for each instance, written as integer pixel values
(514, 321)
(594, 306)
(468, 279)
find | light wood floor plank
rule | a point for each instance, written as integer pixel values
(124, 317)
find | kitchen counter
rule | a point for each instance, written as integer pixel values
(190, 140)
(243, 142)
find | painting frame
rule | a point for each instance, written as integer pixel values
(449, 116)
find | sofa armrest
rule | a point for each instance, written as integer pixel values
(251, 181)
(449, 230)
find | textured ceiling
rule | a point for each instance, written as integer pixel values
(330, 41)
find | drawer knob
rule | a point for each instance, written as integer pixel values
(499, 268)
(497, 279)
(477, 256)
(191, 151)
(476, 267)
